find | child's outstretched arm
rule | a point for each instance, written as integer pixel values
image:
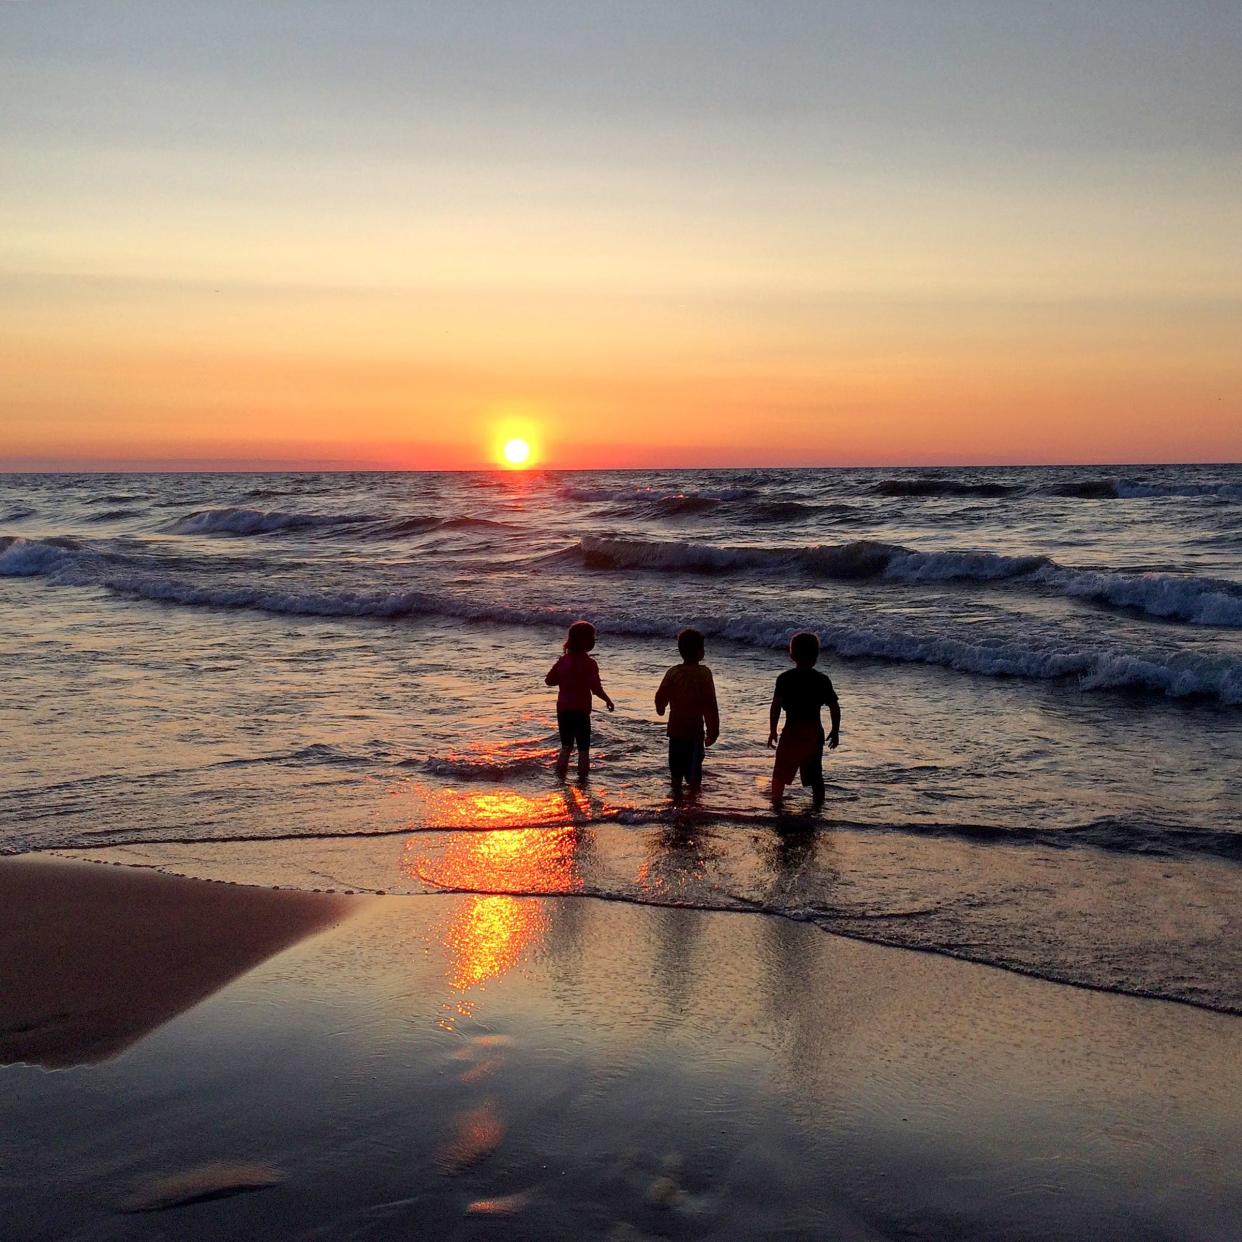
(554, 675)
(598, 690)
(774, 719)
(711, 712)
(662, 696)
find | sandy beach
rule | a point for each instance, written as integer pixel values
(440, 1066)
(93, 960)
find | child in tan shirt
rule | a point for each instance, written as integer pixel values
(688, 691)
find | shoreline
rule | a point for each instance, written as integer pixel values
(362, 889)
(566, 1069)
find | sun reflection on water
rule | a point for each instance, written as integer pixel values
(491, 929)
(503, 808)
(487, 936)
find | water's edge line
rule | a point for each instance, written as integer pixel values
(1140, 994)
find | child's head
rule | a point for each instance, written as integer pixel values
(690, 645)
(581, 638)
(804, 649)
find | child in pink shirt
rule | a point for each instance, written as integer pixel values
(577, 677)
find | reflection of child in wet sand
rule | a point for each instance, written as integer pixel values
(801, 692)
(577, 676)
(689, 693)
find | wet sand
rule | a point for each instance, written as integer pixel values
(472, 1066)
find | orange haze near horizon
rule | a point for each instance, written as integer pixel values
(788, 235)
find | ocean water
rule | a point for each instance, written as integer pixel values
(1040, 672)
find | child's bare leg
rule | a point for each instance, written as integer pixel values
(584, 761)
(817, 792)
(562, 761)
(778, 789)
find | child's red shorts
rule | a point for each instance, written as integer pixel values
(800, 751)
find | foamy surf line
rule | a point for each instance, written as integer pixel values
(1137, 838)
(1199, 601)
(1187, 675)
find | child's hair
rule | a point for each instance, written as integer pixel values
(581, 637)
(690, 645)
(804, 647)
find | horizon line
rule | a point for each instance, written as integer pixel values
(338, 468)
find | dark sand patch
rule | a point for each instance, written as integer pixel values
(93, 957)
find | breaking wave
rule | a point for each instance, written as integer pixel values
(943, 487)
(1103, 488)
(1124, 489)
(240, 522)
(253, 522)
(1199, 601)
(1032, 655)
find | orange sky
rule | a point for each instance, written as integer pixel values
(667, 250)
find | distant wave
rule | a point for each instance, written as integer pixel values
(115, 498)
(603, 492)
(1033, 655)
(395, 528)
(1103, 488)
(1123, 489)
(253, 522)
(942, 487)
(745, 510)
(20, 514)
(113, 515)
(743, 504)
(1199, 601)
(240, 522)
(1223, 491)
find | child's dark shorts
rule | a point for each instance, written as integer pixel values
(800, 751)
(575, 729)
(685, 759)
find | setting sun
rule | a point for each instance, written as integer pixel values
(516, 453)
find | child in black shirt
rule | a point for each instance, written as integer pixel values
(801, 692)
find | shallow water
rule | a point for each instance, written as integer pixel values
(1040, 671)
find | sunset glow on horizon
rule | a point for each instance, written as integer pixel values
(789, 234)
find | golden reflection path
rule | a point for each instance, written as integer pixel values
(490, 930)
(504, 808)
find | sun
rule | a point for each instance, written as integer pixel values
(515, 453)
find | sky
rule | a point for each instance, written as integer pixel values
(392, 234)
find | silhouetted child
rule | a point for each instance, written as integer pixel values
(577, 676)
(801, 692)
(689, 692)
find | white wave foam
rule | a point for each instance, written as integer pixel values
(860, 558)
(1199, 601)
(1032, 655)
(29, 558)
